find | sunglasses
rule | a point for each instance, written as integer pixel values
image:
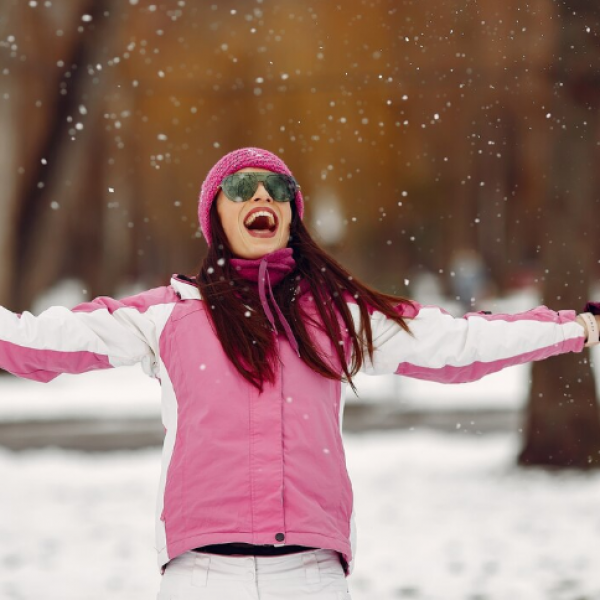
(240, 187)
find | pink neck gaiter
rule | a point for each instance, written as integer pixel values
(267, 271)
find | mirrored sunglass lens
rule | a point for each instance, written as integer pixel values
(239, 187)
(279, 187)
(229, 187)
(246, 186)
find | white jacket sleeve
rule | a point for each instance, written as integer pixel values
(446, 349)
(100, 334)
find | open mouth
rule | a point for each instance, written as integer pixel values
(261, 222)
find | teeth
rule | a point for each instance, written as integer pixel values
(260, 213)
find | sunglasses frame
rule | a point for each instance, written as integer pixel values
(259, 177)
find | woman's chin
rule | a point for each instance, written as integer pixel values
(256, 247)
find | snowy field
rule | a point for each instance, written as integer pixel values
(440, 517)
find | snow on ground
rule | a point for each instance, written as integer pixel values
(440, 516)
(450, 517)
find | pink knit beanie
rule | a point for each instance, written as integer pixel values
(231, 163)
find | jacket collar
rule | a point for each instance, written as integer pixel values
(186, 290)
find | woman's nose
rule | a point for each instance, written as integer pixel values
(262, 194)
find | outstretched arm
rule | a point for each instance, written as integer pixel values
(100, 334)
(456, 350)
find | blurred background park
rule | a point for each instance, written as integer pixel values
(448, 151)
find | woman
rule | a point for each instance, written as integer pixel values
(253, 356)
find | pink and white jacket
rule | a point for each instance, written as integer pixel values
(239, 466)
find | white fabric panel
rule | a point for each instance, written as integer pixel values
(186, 291)
(119, 336)
(439, 339)
(170, 422)
(343, 391)
(160, 314)
(353, 539)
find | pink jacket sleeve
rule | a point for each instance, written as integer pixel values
(101, 334)
(456, 350)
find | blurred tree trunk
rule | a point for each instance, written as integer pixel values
(563, 420)
(59, 225)
(8, 159)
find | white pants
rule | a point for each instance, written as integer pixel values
(315, 574)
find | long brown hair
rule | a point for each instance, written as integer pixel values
(234, 308)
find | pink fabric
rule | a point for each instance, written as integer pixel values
(243, 466)
(141, 302)
(477, 370)
(276, 266)
(31, 363)
(280, 263)
(229, 164)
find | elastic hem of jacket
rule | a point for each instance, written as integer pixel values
(315, 540)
